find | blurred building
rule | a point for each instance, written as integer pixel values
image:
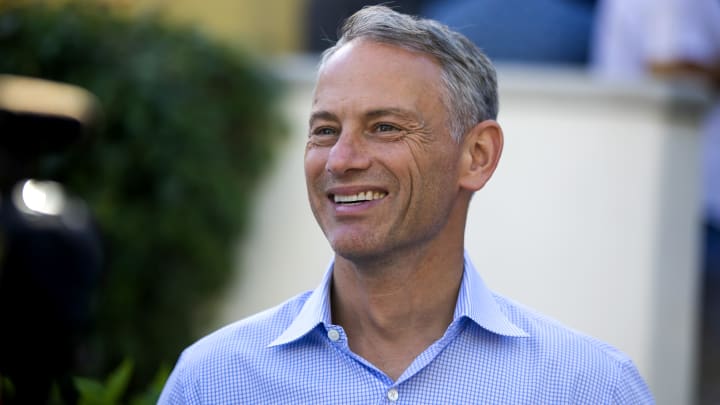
(261, 26)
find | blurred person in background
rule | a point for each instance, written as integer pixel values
(402, 133)
(323, 17)
(538, 32)
(541, 32)
(676, 39)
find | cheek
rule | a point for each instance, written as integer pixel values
(437, 171)
(425, 162)
(315, 160)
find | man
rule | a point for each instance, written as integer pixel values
(402, 133)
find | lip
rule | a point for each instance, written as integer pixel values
(355, 208)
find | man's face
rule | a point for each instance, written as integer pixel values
(380, 164)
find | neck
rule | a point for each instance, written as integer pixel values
(393, 310)
(415, 283)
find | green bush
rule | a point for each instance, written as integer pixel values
(188, 127)
(112, 391)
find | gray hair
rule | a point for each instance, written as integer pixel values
(467, 73)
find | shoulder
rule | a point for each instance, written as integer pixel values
(549, 332)
(247, 335)
(228, 354)
(568, 357)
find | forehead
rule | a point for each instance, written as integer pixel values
(363, 68)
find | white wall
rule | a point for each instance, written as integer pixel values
(592, 216)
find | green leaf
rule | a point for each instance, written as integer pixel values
(118, 381)
(7, 388)
(91, 392)
(152, 394)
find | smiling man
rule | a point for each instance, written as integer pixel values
(402, 133)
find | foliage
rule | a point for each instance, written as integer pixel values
(6, 388)
(93, 392)
(113, 389)
(188, 127)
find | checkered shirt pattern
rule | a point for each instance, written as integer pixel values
(494, 352)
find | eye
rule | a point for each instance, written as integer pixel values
(386, 128)
(323, 136)
(324, 131)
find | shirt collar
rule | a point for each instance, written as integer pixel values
(475, 301)
(316, 310)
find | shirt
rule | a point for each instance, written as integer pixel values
(494, 352)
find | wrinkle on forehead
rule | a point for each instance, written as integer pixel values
(341, 61)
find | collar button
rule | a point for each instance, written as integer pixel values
(333, 335)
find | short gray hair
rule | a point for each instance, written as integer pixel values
(467, 73)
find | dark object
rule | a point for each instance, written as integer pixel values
(38, 118)
(51, 260)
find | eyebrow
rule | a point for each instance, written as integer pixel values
(322, 115)
(380, 112)
(400, 112)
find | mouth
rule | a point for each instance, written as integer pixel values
(357, 198)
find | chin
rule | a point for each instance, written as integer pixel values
(349, 250)
(361, 252)
(354, 250)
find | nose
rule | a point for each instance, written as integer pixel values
(348, 154)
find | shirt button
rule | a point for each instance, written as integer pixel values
(333, 335)
(392, 394)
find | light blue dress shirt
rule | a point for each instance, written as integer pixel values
(494, 352)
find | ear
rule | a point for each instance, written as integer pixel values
(481, 148)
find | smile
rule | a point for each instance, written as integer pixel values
(359, 197)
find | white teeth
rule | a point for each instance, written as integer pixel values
(359, 197)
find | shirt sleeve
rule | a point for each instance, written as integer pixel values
(631, 388)
(174, 392)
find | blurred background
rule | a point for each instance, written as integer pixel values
(152, 183)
